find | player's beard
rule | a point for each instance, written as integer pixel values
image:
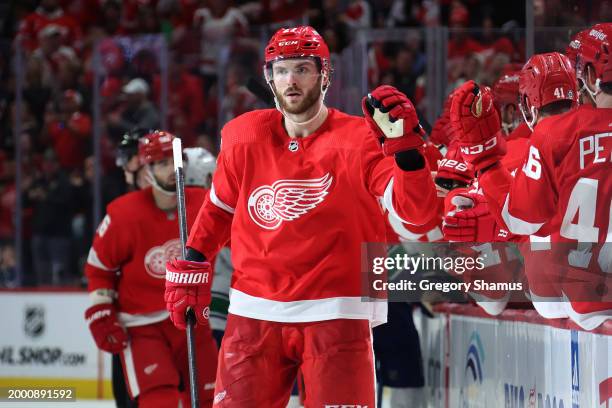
(168, 185)
(310, 99)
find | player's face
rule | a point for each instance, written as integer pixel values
(297, 83)
(163, 171)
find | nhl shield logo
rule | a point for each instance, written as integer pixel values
(34, 321)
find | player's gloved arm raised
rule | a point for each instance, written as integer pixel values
(477, 125)
(393, 119)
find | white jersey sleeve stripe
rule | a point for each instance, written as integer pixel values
(93, 260)
(388, 202)
(516, 225)
(216, 201)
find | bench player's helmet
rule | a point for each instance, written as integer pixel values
(545, 79)
(156, 145)
(590, 48)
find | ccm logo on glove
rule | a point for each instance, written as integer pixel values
(477, 149)
(187, 278)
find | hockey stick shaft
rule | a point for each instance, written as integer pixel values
(182, 221)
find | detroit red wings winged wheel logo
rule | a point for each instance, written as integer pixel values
(286, 200)
(156, 257)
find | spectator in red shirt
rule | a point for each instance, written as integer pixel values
(70, 132)
(49, 12)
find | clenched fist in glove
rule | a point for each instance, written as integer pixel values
(468, 219)
(478, 126)
(188, 286)
(393, 119)
(105, 328)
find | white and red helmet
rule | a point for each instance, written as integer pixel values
(545, 78)
(297, 42)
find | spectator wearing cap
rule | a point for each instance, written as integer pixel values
(48, 13)
(70, 131)
(137, 112)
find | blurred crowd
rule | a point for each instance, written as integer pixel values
(185, 65)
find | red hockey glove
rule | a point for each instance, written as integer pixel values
(188, 286)
(468, 219)
(452, 170)
(105, 328)
(443, 133)
(393, 119)
(477, 122)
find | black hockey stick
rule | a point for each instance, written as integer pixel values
(182, 220)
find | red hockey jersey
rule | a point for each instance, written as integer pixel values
(564, 189)
(299, 211)
(130, 250)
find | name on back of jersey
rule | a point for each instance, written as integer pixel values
(595, 149)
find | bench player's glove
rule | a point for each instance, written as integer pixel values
(188, 286)
(468, 219)
(393, 119)
(105, 328)
(477, 125)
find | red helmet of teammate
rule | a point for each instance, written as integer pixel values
(506, 89)
(545, 78)
(155, 146)
(297, 42)
(505, 97)
(591, 47)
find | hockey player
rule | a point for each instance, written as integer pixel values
(125, 269)
(136, 176)
(565, 173)
(297, 188)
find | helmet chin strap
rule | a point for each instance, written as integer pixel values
(597, 91)
(156, 185)
(534, 117)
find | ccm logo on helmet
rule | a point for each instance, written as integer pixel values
(283, 43)
(477, 149)
(187, 278)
